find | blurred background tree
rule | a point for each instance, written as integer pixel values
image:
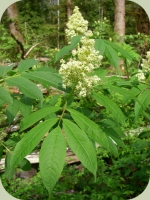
(41, 23)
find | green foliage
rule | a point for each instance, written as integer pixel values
(140, 42)
(111, 106)
(8, 47)
(26, 64)
(5, 96)
(4, 70)
(36, 116)
(144, 99)
(81, 132)
(25, 165)
(90, 127)
(30, 141)
(65, 50)
(26, 87)
(103, 29)
(69, 123)
(9, 172)
(124, 178)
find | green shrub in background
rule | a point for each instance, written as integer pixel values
(8, 47)
(10, 50)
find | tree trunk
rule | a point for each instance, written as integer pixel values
(119, 26)
(69, 10)
(12, 13)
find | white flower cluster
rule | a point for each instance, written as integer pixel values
(75, 71)
(76, 25)
(145, 68)
(146, 63)
(84, 58)
(140, 75)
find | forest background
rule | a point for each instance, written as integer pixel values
(41, 26)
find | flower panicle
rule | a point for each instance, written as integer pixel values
(84, 59)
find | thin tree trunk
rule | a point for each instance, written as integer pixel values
(12, 13)
(119, 27)
(69, 10)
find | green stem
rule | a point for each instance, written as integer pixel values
(64, 108)
(6, 148)
(71, 93)
(2, 80)
(8, 77)
(68, 96)
(64, 103)
(127, 71)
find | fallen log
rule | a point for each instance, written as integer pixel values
(34, 159)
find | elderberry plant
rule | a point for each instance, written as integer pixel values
(71, 117)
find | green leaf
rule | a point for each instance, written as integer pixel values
(114, 79)
(128, 94)
(1, 103)
(144, 100)
(119, 49)
(25, 106)
(1, 152)
(4, 70)
(5, 96)
(54, 99)
(135, 91)
(81, 145)
(112, 56)
(100, 46)
(124, 92)
(11, 142)
(9, 171)
(26, 87)
(26, 64)
(52, 157)
(101, 73)
(30, 141)
(36, 116)
(114, 135)
(111, 106)
(12, 110)
(144, 134)
(46, 78)
(25, 165)
(111, 123)
(114, 197)
(65, 50)
(112, 147)
(46, 69)
(131, 52)
(90, 127)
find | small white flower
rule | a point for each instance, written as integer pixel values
(140, 75)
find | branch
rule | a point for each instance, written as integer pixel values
(16, 34)
(26, 54)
